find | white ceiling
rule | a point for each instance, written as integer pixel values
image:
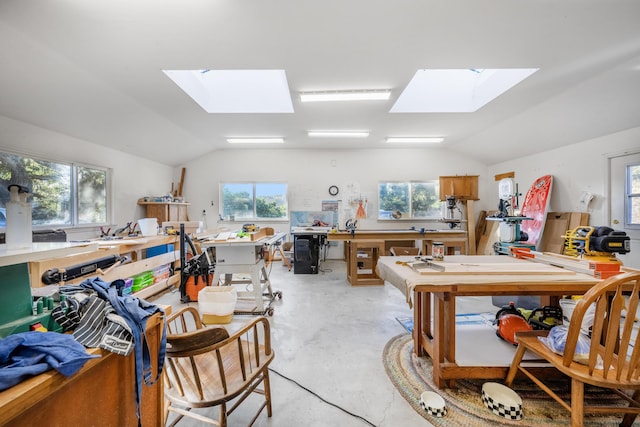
(92, 69)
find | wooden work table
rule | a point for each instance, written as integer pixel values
(102, 392)
(434, 330)
(364, 247)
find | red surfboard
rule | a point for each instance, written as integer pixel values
(536, 206)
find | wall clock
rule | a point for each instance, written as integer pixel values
(333, 190)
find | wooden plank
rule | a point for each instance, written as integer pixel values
(128, 270)
(471, 228)
(481, 224)
(37, 268)
(496, 268)
(501, 176)
(181, 183)
(257, 235)
(489, 237)
(555, 227)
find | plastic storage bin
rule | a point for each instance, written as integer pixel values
(128, 286)
(142, 280)
(160, 273)
(217, 304)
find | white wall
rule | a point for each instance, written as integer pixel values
(309, 174)
(577, 168)
(133, 177)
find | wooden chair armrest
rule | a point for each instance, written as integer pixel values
(182, 314)
(254, 326)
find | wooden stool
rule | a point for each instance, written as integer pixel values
(372, 249)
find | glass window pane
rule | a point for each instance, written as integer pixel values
(49, 183)
(271, 200)
(425, 200)
(92, 196)
(633, 172)
(237, 201)
(634, 211)
(393, 200)
(52, 204)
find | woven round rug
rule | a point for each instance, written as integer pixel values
(412, 375)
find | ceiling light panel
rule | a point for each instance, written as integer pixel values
(338, 134)
(415, 139)
(457, 90)
(257, 140)
(346, 95)
(236, 91)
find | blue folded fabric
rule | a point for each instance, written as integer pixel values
(28, 354)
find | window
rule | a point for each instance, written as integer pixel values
(61, 194)
(251, 201)
(409, 200)
(632, 208)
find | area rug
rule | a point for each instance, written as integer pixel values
(412, 375)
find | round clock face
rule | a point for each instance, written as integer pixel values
(333, 190)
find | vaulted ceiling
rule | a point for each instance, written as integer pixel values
(93, 70)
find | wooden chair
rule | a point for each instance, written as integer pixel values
(206, 367)
(612, 340)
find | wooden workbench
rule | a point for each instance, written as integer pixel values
(102, 392)
(434, 331)
(134, 248)
(363, 247)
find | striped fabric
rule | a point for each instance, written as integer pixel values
(94, 320)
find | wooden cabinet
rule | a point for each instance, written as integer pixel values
(166, 211)
(464, 187)
(101, 393)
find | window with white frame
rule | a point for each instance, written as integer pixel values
(61, 194)
(253, 201)
(632, 208)
(409, 200)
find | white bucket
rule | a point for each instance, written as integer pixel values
(217, 304)
(148, 226)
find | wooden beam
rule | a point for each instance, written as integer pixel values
(505, 175)
(181, 183)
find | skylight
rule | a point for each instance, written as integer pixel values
(236, 91)
(457, 90)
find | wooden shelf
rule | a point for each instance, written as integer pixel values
(134, 248)
(166, 211)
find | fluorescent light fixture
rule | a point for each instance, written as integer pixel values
(256, 140)
(338, 134)
(346, 95)
(457, 90)
(236, 91)
(413, 139)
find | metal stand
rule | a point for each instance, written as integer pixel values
(261, 291)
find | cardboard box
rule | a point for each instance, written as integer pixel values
(555, 227)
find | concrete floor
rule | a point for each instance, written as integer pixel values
(328, 337)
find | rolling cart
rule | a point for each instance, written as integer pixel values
(244, 258)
